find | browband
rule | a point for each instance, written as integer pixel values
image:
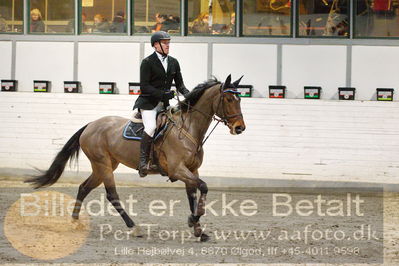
(232, 91)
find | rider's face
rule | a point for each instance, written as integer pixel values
(165, 46)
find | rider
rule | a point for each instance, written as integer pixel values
(157, 72)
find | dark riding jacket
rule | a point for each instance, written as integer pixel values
(154, 81)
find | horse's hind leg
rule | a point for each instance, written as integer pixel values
(87, 186)
(84, 189)
(113, 197)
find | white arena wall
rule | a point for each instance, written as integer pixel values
(292, 138)
(5, 59)
(300, 65)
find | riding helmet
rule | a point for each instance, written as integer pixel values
(158, 36)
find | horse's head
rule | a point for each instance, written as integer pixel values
(229, 108)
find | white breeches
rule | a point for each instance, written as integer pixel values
(149, 121)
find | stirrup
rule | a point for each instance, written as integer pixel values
(143, 171)
(149, 167)
(153, 167)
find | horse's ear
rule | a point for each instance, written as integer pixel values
(227, 83)
(237, 82)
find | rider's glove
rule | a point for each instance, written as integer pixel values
(169, 95)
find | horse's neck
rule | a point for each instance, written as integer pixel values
(199, 119)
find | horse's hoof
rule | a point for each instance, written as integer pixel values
(78, 225)
(136, 231)
(197, 231)
(204, 237)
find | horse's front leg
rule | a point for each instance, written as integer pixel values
(197, 209)
(192, 198)
(193, 182)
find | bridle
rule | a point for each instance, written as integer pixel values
(224, 117)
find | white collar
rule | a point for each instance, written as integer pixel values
(161, 57)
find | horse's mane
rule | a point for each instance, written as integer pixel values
(193, 97)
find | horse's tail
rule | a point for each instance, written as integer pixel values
(70, 151)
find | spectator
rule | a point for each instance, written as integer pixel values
(172, 24)
(160, 19)
(174, 18)
(157, 25)
(71, 25)
(166, 23)
(3, 25)
(364, 18)
(201, 24)
(230, 28)
(85, 27)
(36, 23)
(118, 23)
(100, 24)
(141, 29)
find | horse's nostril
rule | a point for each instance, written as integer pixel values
(239, 130)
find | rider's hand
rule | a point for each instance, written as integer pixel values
(169, 95)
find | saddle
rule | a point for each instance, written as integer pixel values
(134, 128)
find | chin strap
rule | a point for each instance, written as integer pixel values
(163, 53)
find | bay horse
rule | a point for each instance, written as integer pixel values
(179, 151)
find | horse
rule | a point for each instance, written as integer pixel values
(178, 151)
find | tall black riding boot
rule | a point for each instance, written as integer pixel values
(145, 149)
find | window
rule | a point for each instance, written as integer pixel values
(11, 16)
(103, 17)
(323, 18)
(52, 16)
(267, 17)
(211, 17)
(378, 18)
(151, 16)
